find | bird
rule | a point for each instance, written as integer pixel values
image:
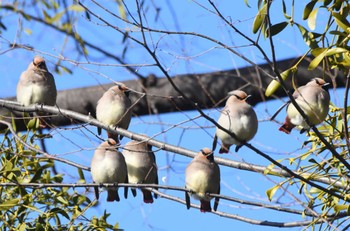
(313, 100)
(36, 85)
(114, 109)
(108, 166)
(142, 167)
(237, 117)
(202, 176)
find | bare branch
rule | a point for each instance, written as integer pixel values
(305, 177)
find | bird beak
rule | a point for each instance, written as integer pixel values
(210, 157)
(123, 88)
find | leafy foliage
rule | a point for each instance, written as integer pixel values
(40, 208)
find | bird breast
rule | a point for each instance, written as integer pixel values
(110, 112)
(108, 168)
(140, 168)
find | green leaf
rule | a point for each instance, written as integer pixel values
(316, 61)
(271, 192)
(335, 50)
(28, 31)
(57, 17)
(67, 70)
(285, 11)
(277, 28)
(21, 227)
(33, 124)
(314, 190)
(326, 2)
(76, 8)
(13, 122)
(309, 37)
(341, 21)
(311, 22)
(121, 8)
(308, 8)
(275, 84)
(8, 204)
(318, 51)
(338, 208)
(81, 174)
(60, 211)
(268, 169)
(259, 18)
(62, 200)
(47, 17)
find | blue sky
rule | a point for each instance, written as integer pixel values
(179, 54)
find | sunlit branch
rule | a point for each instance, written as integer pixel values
(168, 147)
(151, 187)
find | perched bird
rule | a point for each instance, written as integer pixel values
(114, 109)
(202, 177)
(142, 167)
(108, 166)
(37, 85)
(239, 118)
(313, 100)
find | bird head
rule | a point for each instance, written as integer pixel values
(237, 95)
(318, 81)
(207, 153)
(39, 62)
(120, 87)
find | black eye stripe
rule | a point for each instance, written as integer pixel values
(238, 97)
(205, 153)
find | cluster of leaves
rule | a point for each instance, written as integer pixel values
(329, 48)
(41, 208)
(316, 162)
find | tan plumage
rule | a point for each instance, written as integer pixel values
(108, 166)
(114, 109)
(313, 100)
(202, 177)
(142, 167)
(36, 85)
(237, 117)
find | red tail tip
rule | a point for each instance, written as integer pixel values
(284, 129)
(148, 201)
(223, 150)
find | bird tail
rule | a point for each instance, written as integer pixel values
(214, 143)
(205, 206)
(114, 137)
(287, 126)
(147, 196)
(224, 149)
(112, 195)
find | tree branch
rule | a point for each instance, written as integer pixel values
(14, 106)
(151, 187)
